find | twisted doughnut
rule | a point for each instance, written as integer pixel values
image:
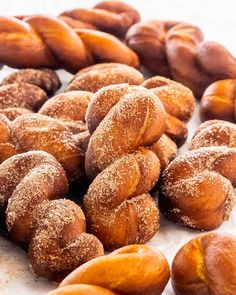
(214, 133)
(122, 120)
(95, 77)
(53, 229)
(198, 187)
(219, 101)
(39, 132)
(41, 41)
(135, 269)
(178, 101)
(113, 17)
(179, 51)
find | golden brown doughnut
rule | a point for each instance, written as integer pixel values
(45, 79)
(147, 39)
(127, 120)
(69, 107)
(134, 269)
(113, 17)
(22, 95)
(45, 41)
(214, 133)
(219, 101)
(197, 188)
(101, 103)
(178, 101)
(118, 207)
(54, 230)
(39, 132)
(137, 119)
(95, 77)
(179, 51)
(205, 266)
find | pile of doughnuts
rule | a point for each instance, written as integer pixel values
(109, 140)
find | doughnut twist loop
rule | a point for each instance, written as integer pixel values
(198, 187)
(53, 230)
(123, 121)
(114, 17)
(179, 51)
(40, 41)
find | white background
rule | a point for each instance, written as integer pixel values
(218, 21)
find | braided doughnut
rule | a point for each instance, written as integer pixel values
(198, 187)
(39, 132)
(41, 41)
(206, 265)
(178, 101)
(219, 101)
(118, 209)
(122, 120)
(147, 39)
(45, 79)
(135, 269)
(214, 133)
(7, 149)
(54, 230)
(70, 108)
(95, 77)
(179, 51)
(113, 17)
(105, 99)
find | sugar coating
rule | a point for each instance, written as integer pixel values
(95, 77)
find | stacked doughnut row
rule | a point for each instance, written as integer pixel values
(117, 135)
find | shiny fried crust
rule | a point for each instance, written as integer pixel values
(39, 132)
(214, 133)
(95, 77)
(219, 101)
(45, 79)
(49, 42)
(206, 265)
(54, 230)
(197, 188)
(161, 44)
(178, 101)
(113, 17)
(135, 269)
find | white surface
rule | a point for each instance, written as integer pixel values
(217, 20)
